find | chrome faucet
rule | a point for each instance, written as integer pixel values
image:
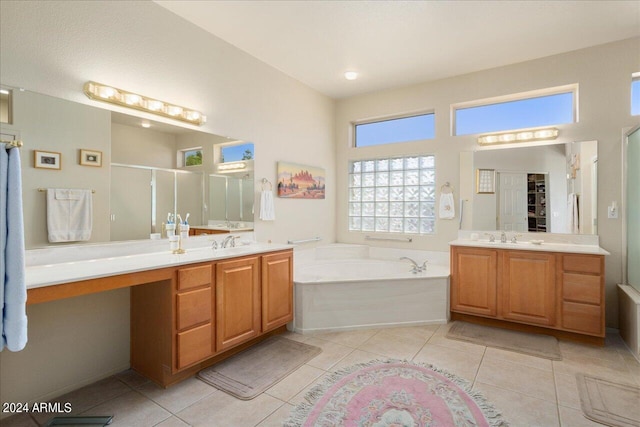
(492, 238)
(514, 239)
(416, 268)
(503, 237)
(230, 241)
(214, 245)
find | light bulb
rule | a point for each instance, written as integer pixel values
(351, 75)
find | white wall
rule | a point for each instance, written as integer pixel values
(604, 77)
(143, 147)
(54, 47)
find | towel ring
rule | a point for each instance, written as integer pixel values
(446, 188)
(265, 181)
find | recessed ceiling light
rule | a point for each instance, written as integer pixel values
(350, 75)
(145, 124)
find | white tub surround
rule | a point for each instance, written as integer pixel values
(629, 300)
(554, 287)
(345, 287)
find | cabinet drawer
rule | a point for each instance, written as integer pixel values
(193, 308)
(582, 264)
(581, 288)
(194, 277)
(582, 318)
(194, 345)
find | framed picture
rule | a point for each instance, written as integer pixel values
(300, 182)
(91, 158)
(47, 160)
(485, 181)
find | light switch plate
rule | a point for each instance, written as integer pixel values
(612, 212)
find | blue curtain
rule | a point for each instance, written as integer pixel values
(13, 297)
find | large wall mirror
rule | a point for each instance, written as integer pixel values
(546, 188)
(149, 169)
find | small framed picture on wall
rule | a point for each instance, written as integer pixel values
(91, 158)
(47, 160)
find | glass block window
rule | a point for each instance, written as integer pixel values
(393, 195)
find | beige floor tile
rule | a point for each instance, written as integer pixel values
(172, 422)
(132, 378)
(567, 390)
(221, 409)
(300, 397)
(609, 353)
(418, 332)
(19, 420)
(277, 418)
(523, 359)
(467, 347)
(131, 409)
(331, 354)
(393, 346)
(602, 368)
(516, 377)
(348, 338)
(295, 336)
(520, 410)
(457, 362)
(178, 396)
(295, 382)
(87, 397)
(355, 357)
(570, 417)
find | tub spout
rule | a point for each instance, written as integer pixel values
(416, 268)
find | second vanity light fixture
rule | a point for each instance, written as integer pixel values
(112, 95)
(525, 135)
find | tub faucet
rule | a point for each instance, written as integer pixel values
(416, 268)
(230, 241)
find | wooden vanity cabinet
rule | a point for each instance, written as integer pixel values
(529, 287)
(277, 290)
(207, 312)
(519, 289)
(238, 301)
(474, 290)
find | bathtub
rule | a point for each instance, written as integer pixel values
(342, 287)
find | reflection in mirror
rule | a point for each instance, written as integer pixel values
(123, 208)
(5, 105)
(548, 188)
(238, 203)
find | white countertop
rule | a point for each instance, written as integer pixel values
(72, 271)
(528, 246)
(221, 228)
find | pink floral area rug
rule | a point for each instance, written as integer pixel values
(385, 393)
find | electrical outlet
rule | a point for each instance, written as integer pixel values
(612, 212)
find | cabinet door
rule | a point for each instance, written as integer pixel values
(277, 290)
(473, 281)
(528, 287)
(237, 301)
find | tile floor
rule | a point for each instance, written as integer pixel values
(530, 391)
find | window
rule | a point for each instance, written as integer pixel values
(192, 157)
(235, 153)
(395, 195)
(404, 129)
(529, 112)
(635, 95)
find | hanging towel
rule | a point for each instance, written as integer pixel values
(69, 214)
(446, 209)
(267, 209)
(573, 209)
(13, 298)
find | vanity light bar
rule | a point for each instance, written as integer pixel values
(112, 95)
(545, 134)
(231, 166)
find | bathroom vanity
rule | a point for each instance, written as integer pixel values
(188, 311)
(551, 288)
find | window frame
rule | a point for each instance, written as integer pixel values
(183, 156)
(354, 124)
(520, 96)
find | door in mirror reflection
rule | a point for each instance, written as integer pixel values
(130, 208)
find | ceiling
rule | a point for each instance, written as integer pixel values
(398, 43)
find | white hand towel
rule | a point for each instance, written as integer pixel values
(446, 209)
(573, 209)
(267, 208)
(69, 215)
(13, 298)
